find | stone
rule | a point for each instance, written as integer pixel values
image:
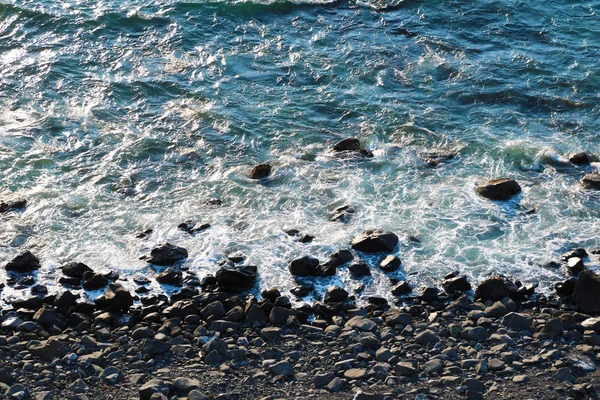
(17, 392)
(213, 358)
(565, 288)
(579, 253)
(495, 365)
(236, 278)
(153, 386)
(65, 299)
(269, 333)
(335, 385)
(254, 313)
(405, 369)
(197, 395)
(520, 379)
(116, 298)
(280, 315)
(426, 337)
(495, 288)
(359, 269)
(579, 159)
(591, 181)
(498, 309)
(282, 368)
(564, 375)
(335, 294)
(433, 366)
(342, 214)
(355, 373)
(341, 257)
(389, 263)
(305, 266)
(29, 303)
(401, 289)
(214, 310)
(25, 262)
(215, 344)
(592, 324)
(457, 284)
(375, 241)
(474, 385)
(261, 171)
(49, 349)
(166, 254)
(586, 292)
(517, 321)
(351, 145)
(575, 265)
(321, 380)
(170, 276)
(499, 189)
(12, 205)
(185, 385)
(93, 281)
(75, 270)
(361, 323)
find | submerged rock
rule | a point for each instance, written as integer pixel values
(580, 159)
(234, 278)
(192, 228)
(75, 270)
(591, 181)
(375, 241)
(166, 254)
(342, 214)
(261, 171)
(25, 262)
(499, 189)
(12, 205)
(586, 292)
(351, 145)
(305, 266)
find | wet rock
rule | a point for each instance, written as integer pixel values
(351, 145)
(170, 276)
(341, 257)
(45, 316)
(517, 321)
(495, 288)
(586, 292)
(305, 266)
(389, 263)
(93, 281)
(326, 269)
(116, 298)
(144, 234)
(280, 315)
(342, 214)
(12, 205)
(359, 269)
(429, 294)
(302, 290)
(49, 349)
(65, 299)
(236, 278)
(335, 294)
(565, 288)
(375, 241)
(166, 254)
(499, 189)
(401, 289)
(153, 386)
(554, 328)
(261, 171)
(575, 265)
(433, 159)
(282, 368)
(579, 159)
(580, 253)
(456, 284)
(426, 337)
(30, 303)
(191, 227)
(591, 181)
(25, 262)
(75, 270)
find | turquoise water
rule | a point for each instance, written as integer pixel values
(120, 116)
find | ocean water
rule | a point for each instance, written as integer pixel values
(118, 116)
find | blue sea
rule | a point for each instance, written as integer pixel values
(119, 116)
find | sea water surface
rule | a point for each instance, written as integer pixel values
(118, 116)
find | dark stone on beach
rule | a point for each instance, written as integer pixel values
(389, 263)
(433, 159)
(302, 290)
(575, 265)
(49, 349)
(586, 292)
(495, 288)
(116, 298)
(144, 234)
(359, 269)
(306, 238)
(25, 262)
(580, 159)
(65, 299)
(235, 278)
(261, 171)
(375, 241)
(326, 269)
(591, 181)
(153, 386)
(31, 303)
(45, 316)
(458, 284)
(335, 294)
(75, 270)
(341, 257)
(499, 189)
(342, 213)
(579, 253)
(517, 321)
(401, 289)
(565, 288)
(12, 205)
(166, 254)
(305, 266)
(93, 281)
(170, 276)
(280, 315)
(429, 294)
(271, 294)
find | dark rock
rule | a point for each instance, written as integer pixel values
(499, 189)
(377, 301)
(335, 294)
(65, 299)
(25, 262)
(75, 270)
(166, 254)
(49, 349)
(405, 369)
(342, 214)
(591, 181)
(426, 337)
(144, 234)
(565, 288)
(117, 298)
(575, 265)
(401, 289)
(580, 253)
(580, 159)
(302, 290)
(495, 288)
(170, 276)
(458, 284)
(359, 269)
(261, 171)
(517, 321)
(236, 257)
(214, 310)
(236, 278)
(153, 386)
(271, 294)
(45, 316)
(305, 266)
(306, 238)
(280, 315)
(351, 145)
(429, 294)
(282, 368)
(554, 328)
(31, 303)
(192, 228)
(326, 269)
(375, 241)
(389, 263)
(185, 385)
(255, 314)
(93, 281)
(586, 292)
(341, 257)
(12, 205)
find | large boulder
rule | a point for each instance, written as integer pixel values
(93, 281)
(75, 270)
(591, 181)
(351, 145)
(586, 292)
(235, 278)
(499, 189)
(25, 262)
(116, 298)
(54, 347)
(495, 288)
(12, 205)
(375, 241)
(305, 266)
(261, 171)
(335, 294)
(166, 254)
(170, 276)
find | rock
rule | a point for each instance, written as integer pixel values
(580, 253)
(170, 276)
(355, 373)
(565, 288)
(192, 228)
(197, 395)
(255, 314)
(166, 254)
(305, 266)
(498, 309)
(579, 159)
(457, 284)
(153, 386)
(17, 392)
(495, 288)
(396, 317)
(474, 385)
(499, 189)
(30, 303)
(185, 385)
(554, 328)
(302, 290)
(261, 171)
(93, 281)
(375, 241)
(280, 315)
(592, 324)
(429, 294)
(326, 269)
(405, 369)
(321, 380)
(282, 368)
(271, 294)
(586, 292)
(575, 265)
(75, 270)
(564, 375)
(25, 262)
(361, 323)
(65, 299)
(591, 181)
(520, 379)
(433, 366)
(236, 278)
(426, 337)
(401, 289)
(517, 321)
(341, 257)
(111, 375)
(389, 263)
(215, 344)
(351, 145)
(116, 298)
(359, 269)
(45, 316)
(214, 310)
(12, 205)
(49, 349)
(335, 385)
(342, 214)
(335, 294)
